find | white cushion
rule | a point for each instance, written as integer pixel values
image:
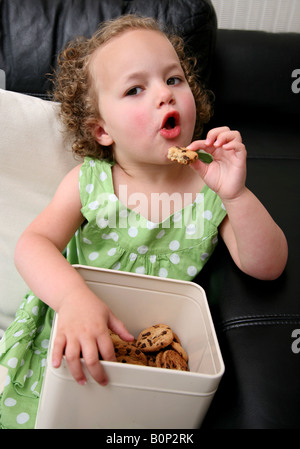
(34, 159)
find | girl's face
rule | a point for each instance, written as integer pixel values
(145, 102)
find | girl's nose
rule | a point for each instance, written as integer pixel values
(165, 96)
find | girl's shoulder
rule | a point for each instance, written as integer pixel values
(95, 178)
(96, 164)
(92, 168)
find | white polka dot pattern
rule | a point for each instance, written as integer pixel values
(119, 238)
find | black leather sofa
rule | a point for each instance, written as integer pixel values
(253, 77)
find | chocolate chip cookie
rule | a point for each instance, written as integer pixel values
(182, 155)
(127, 353)
(170, 359)
(154, 338)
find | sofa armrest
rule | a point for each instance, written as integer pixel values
(257, 322)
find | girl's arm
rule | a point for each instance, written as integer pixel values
(256, 244)
(83, 318)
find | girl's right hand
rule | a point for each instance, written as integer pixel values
(226, 175)
(82, 331)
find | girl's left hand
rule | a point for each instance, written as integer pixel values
(226, 175)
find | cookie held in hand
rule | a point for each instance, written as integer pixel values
(185, 157)
(182, 155)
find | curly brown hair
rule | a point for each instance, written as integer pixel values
(74, 89)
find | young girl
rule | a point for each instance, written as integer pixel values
(127, 95)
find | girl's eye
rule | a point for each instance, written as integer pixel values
(173, 81)
(133, 91)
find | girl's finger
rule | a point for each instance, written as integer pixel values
(236, 146)
(213, 134)
(226, 137)
(197, 145)
(58, 350)
(90, 352)
(119, 328)
(106, 347)
(72, 354)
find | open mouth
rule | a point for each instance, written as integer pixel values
(170, 128)
(170, 121)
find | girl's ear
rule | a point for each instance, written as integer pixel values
(101, 136)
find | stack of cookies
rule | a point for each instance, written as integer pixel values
(156, 346)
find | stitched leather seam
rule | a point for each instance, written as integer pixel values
(260, 320)
(266, 317)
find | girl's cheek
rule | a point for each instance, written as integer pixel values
(140, 119)
(190, 107)
(190, 102)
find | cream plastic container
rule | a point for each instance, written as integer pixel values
(137, 396)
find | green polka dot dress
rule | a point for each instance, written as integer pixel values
(23, 350)
(113, 237)
(119, 238)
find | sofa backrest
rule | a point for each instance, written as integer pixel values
(256, 81)
(254, 68)
(33, 32)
